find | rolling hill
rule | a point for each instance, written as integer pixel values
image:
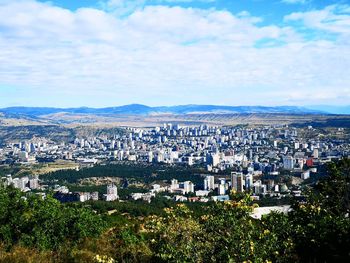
(139, 109)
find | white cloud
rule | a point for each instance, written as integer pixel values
(126, 7)
(161, 55)
(295, 1)
(122, 7)
(334, 18)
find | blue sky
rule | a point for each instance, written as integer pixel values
(168, 52)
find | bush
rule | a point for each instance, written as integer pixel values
(43, 223)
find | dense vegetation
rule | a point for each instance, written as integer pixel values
(144, 172)
(5, 170)
(140, 208)
(316, 230)
(341, 122)
(43, 224)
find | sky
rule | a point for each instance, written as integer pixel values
(103, 53)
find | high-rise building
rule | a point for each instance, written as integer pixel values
(32, 147)
(288, 162)
(249, 181)
(213, 159)
(34, 182)
(112, 193)
(209, 183)
(150, 157)
(274, 143)
(23, 156)
(174, 184)
(250, 154)
(222, 189)
(237, 181)
(120, 155)
(188, 187)
(112, 145)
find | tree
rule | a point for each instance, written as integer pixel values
(321, 223)
(43, 223)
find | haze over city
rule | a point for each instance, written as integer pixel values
(171, 52)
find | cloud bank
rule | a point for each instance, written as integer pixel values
(156, 54)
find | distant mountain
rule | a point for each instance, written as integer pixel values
(139, 109)
(40, 111)
(331, 109)
(186, 109)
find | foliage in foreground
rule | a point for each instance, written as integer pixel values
(317, 230)
(44, 224)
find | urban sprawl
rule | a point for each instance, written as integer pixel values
(234, 158)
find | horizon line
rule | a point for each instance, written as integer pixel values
(177, 105)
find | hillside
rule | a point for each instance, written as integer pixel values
(139, 109)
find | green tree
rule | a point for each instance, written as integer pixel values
(321, 223)
(43, 223)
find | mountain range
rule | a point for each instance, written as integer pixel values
(139, 109)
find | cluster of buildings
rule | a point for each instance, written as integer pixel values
(252, 152)
(25, 183)
(219, 148)
(216, 188)
(63, 194)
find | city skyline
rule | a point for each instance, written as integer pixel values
(174, 52)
